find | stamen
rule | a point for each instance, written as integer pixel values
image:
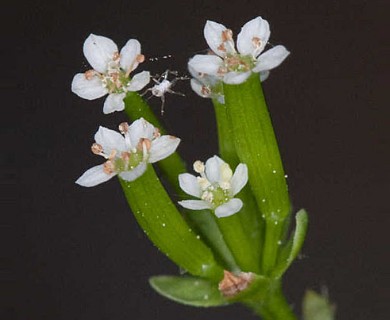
(199, 166)
(225, 185)
(256, 41)
(205, 91)
(90, 74)
(123, 127)
(208, 196)
(108, 167)
(156, 133)
(126, 156)
(97, 149)
(143, 144)
(140, 58)
(112, 154)
(203, 183)
(227, 35)
(222, 47)
(222, 70)
(116, 56)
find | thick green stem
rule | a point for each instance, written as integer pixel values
(166, 228)
(256, 146)
(242, 231)
(274, 307)
(201, 221)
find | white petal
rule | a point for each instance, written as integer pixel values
(135, 173)
(271, 58)
(129, 55)
(110, 140)
(198, 88)
(189, 184)
(236, 77)
(140, 129)
(239, 179)
(88, 89)
(195, 204)
(264, 75)
(114, 102)
(94, 176)
(162, 148)
(228, 208)
(139, 81)
(213, 169)
(213, 34)
(208, 64)
(257, 28)
(99, 51)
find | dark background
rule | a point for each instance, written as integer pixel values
(79, 253)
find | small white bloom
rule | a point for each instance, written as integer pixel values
(235, 66)
(128, 153)
(216, 187)
(110, 73)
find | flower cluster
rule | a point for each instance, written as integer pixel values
(216, 187)
(233, 66)
(128, 153)
(111, 72)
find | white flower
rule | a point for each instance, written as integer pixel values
(206, 86)
(110, 73)
(127, 154)
(216, 187)
(235, 66)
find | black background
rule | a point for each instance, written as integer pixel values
(79, 253)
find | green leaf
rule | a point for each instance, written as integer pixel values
(191, 291)
(294, 245)
(166, 228)
(317, 307)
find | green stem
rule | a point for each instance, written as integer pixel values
(242, 231)
(274, 307)
(202, 221)
(166, 228)
(256, 146)
(272, 242)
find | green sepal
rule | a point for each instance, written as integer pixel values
(317, 307)
(291, 250)
(193, 291)
(166, 228)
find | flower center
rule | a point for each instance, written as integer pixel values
(115, 79)
(235, 62)
(216, 193)
(119, 161)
